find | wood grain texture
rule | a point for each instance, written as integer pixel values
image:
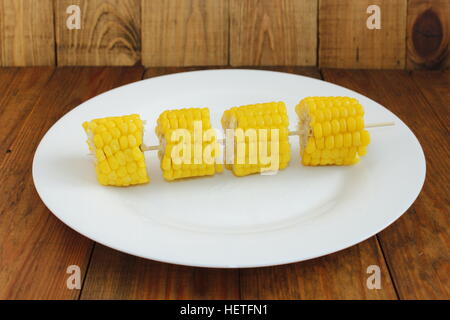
(36, 247)
(110, 33)
(341, 275)
(346, 42)
(19, 89)
(435, 85)
(416, 246)
(6, 76)
(428, 34)
(306, 71)
(160, 71)
(184, 32)
(26, 33)
(273, 32)
(116, 275)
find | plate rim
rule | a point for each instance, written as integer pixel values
(206, 265)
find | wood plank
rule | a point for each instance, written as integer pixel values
(160, 71)
(115, 275)
(428, 34)
(36, 247)
(416, 245)
(346, 42)
(341, 275)
(435, 85)
(273, 32)
(184, 32)
(26, 33)
(19, 95)
(6, 76)
(306, 71)
(110, 33)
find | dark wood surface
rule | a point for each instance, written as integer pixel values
(416, 246)
(36, 248)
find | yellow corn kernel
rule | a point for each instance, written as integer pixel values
(326, 128)
(351, 110)
(116, 142)
(168, 175)
(326, 154)
(108, 151)
(100, 155)
(137, 153)
(335, 127)
(351, 124)
(339, 141)
(334, 112)
(315, 161)
(337, 131)
(98, 141)
(362, 150)
(320, 143)
(141, 163)
(311, 146)
(352, 152)
(115, 147)
(327, 114)
(122, 172)
(121, 158)
(365, 137)
(343, 124)
(104, 167)
(115, 132)
(329, 142)
(317, 128)
(99, 129)
(107, 137)
(334, 153)
(347, 139)
(123, 140)
(359, 109)
(356, 139)
(131, 167)
(113, 163)
(306, 159)
(132, 141)
(359, 123)
(123, 127)
(219, 167)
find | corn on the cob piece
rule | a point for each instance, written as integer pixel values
(189, 131)
(115, 142)
(253, 118)
(333, 131)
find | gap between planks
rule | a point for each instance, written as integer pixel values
(94, 244)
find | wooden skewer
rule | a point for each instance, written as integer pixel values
(291, 133)
(379, 124)
(149, 148)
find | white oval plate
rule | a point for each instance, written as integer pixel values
(223, 221)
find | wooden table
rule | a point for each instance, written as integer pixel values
(36, 248)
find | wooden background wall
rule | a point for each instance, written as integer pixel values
(325, 33)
